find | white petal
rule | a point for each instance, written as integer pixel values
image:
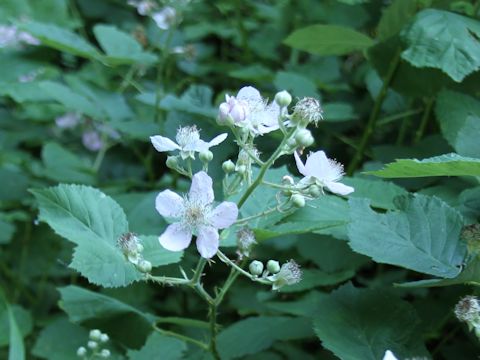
(201, 188)
(162, 143)
(224, 215)
(217, 140)
(339, 188)
(169, 204)
(207, 241)
(176, 237)
(389, 356)
(197, 146)
(249, 93)
(317, 164)
(301, 168)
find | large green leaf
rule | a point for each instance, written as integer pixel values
(61, 39)
(121, 47)
(459, 117)
(159, 346)
(328, 40)
(16, 349)
(443, 40)
(361, 324)
(422, 235)
(395, 16)
(443, 165)
(255, 334)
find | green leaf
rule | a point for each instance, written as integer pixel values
(61, 39)
(422, 235)
(121, 47)
(443, 165)
(60, 340)
(64, 166)
(459, 117)
(361, 324)
(14, 184)
(22, 318)
(16, 349)
(443, 40)
(312, 278)
(6, 231)
(249, 336)
(159, 346)
(328, 40)
(395, 16)
(340, 111)
(71, 100)
(297, 84)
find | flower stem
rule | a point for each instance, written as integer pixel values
(213, 330)
(372, 120)
(181, 337)
(424, 120)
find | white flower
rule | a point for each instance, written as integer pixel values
(165, 18)
(389, 356)
(68, 120)
(323, 171)
(188, 142)
(194, 215)
(143, 7)
(249, 110)
(289, 274)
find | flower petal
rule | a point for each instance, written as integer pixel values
(339, 188)
(389, 356)
(301, 168)
(176, 237)
(207, 241)
(224, 215)
(249, 93)
(317, 165)
(169, 204)
(163, 144)
(201, 188)
(217, 140)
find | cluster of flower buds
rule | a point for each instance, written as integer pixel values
(468, 310)
(278, 276)
(94, 348)
(132, 248)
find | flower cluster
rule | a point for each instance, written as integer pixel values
(132, 248)
(96, 341)
(278, 276)
(193, 214)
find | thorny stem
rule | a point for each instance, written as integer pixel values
(213, 330)
(372, 120)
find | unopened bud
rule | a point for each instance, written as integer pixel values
(206, 156)
(298, 200)
(287, 180)
(256, 267)
(95, 334)
(241, 169)
(144, 266)
(92, 344)
(105, 353)
(81, 351)
(314, 191)
(273, 266)
(228, 166)
(172, 162)
(104, 338)
(283, 98)
(304, 138)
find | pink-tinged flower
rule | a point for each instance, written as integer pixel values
(249, 110)
(324, 172)
(194, 214)
(91, 140)
(188, 142)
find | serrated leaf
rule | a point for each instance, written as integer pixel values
(328, 40)
(443, 165)
(248, 336)
(121, 47)
(443, 40)
(422, 235)
(361, 324)
(61, 39)
(159, 346)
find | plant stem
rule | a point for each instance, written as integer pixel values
(424, 121)
(370, 128)
(213, 330)
(181, 337)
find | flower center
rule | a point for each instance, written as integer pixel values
(187, 135)
(195, 213)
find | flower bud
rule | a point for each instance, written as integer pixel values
(241, 169)
(287, 180)
(228, 166)
(314, 191)
(206, 156)
(256, 267)
(298, 200)
(283, 98)
(304, 138)
(81, 351)
(92, 344)
(144, 266)
(95, 334)
(273, 266)
(232, 110)
(104, 338)
(105, 353)
(172, 162)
